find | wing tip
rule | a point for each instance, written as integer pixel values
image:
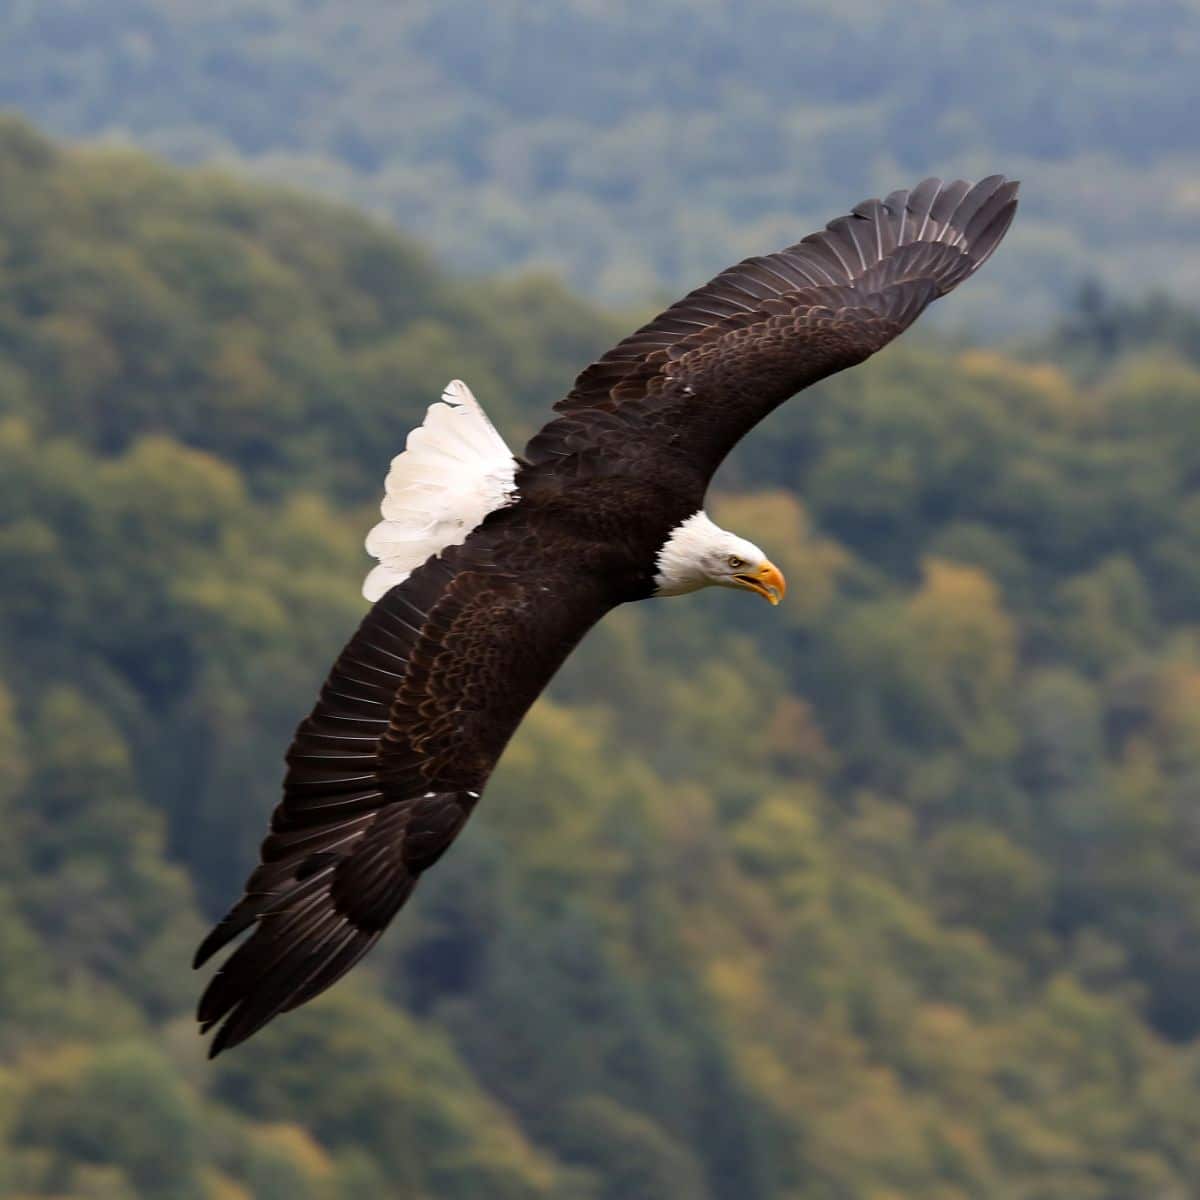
(240, 1004)
(218, 937)
(971, 218)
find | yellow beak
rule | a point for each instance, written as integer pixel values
(767, 581)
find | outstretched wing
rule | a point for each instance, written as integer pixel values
(388, 767)
(705, 371)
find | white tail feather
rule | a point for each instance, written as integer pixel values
(454, 470)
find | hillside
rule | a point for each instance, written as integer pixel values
(891, 892)
(634, 147)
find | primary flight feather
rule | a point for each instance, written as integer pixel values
(491, 569)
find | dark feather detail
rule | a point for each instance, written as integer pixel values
(702, 373)
(386, 770)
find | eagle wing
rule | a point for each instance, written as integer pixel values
(704, 372)
(389, 765)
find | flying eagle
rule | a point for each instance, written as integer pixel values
(492, 567)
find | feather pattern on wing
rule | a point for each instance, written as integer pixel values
(388, 767)
(694, 380)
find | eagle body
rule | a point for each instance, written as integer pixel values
(611, 527)
(492, 568)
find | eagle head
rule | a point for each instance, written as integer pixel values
(699, 553)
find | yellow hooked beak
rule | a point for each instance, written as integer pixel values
(767, 581)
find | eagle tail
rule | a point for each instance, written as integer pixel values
(454, 470)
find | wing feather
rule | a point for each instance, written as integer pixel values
(386, 770)
(703, 372)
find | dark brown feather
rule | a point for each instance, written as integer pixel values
(695, 379)
(388, 767)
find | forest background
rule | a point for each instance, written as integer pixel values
(890, 892)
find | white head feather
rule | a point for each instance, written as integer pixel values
(699, 553)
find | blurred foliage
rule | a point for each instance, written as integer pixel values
(630, 147)
(892, 892)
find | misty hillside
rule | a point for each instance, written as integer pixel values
(634, 147)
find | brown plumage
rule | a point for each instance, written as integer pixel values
(418, 708)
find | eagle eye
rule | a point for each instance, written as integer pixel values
(735, 562)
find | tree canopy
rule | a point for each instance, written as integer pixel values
(890, 892)
(632, 147)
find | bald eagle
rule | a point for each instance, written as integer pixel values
(492, 567)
